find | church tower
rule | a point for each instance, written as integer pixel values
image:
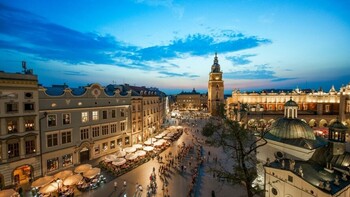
(215, 88)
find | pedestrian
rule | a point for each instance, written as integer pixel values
(115, 185)
(124, 183)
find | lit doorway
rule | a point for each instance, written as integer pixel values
(84, 155)
(23, 175)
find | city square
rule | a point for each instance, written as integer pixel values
(160, 98)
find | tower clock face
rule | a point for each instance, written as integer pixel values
(217, 78)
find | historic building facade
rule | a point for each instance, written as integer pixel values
(81, 124)
(191, 101)
(215, 88)
(317, 108)
(19, 128)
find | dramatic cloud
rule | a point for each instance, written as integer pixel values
(241, 59)
(171, 74)
(25, 32)
(75, 73)
(260, 72)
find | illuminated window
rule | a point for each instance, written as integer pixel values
(29, 125)
(12, 126)
(52, 164)
(13, 150)
(112, 144)
(105, 146)
(94, 115)
(327, 108)
(84, 116)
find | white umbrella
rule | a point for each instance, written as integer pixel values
(158, 136)
(120, 153)
(131, 156)
(162, 141)
(140, 153)
(158, 144)
(8, 192)
(147, 142)
(73, 180)
(52, 187)
(63, 174)
(148, 148)
(92, 173)
(110, 158)
(130, 149)
(42, 181)
(167, 138)
(82, 168)
(119, 162)
(152, 139)
(170, 134)
(137, 146)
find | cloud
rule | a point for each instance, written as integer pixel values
(172, 74)
(241, 59)
(24, 32)
(29, 33)
(260, 72)
(75, 73)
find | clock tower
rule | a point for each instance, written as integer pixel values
(215, 88)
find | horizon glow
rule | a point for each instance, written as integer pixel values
(171, 44)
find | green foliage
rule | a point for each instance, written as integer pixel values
(208, 129)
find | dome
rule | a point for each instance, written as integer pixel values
(287, 128)
(291, 103)
(338, 126)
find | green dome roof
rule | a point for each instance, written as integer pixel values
(291, 103)
(338, 126)
(287, 128)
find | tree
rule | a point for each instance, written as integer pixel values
(240, 145)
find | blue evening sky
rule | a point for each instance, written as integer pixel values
(171, 44)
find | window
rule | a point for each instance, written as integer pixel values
(94, 115)
(52, 164)
(104, 129)
(290, 178)
(95, 131)
(28, 106)
(66, 137)
(112, 144)
(84, 117)
(274, 191)
(113, 128)
(84, 133)
(51, 120)
(13, 150)
(327, 108)
(12, 126)
(120, 142)
(97, 149)
(133, 108)
(127, 140)
(52, 140)
(113, 113)
(105, 146)
(122, 126)
(65, 119)
(30, 147)
(28, 95)
(104, 114)
(67, 160)
(11, 107)
(29, 125)
(122, 113)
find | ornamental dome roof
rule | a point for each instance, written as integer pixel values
(291, 103)
(289, 128)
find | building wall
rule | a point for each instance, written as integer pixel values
(107, 127)
(215, 92)
(19, 124)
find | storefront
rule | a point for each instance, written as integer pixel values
(22, 174)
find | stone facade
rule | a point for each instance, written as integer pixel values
(215, 88)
